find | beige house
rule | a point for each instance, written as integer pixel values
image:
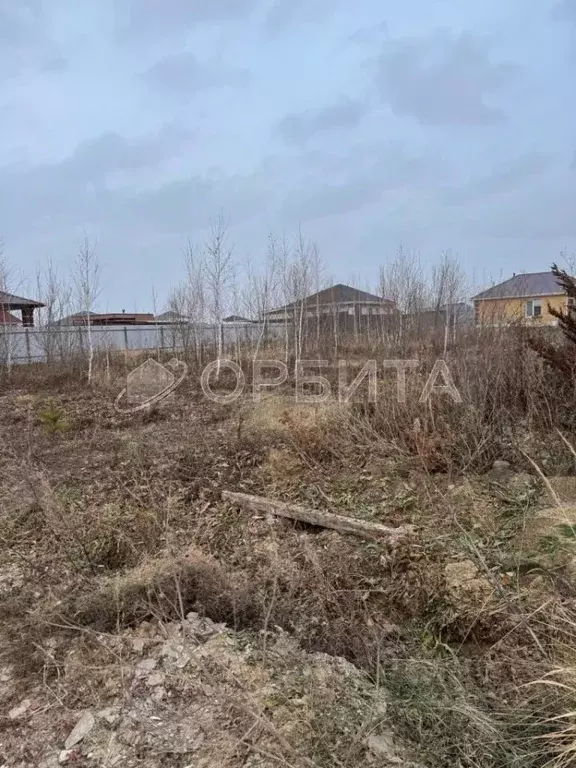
(521, 299)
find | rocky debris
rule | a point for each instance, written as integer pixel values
(138, 644)
(382, 745)
(19, 711)
(466, 585)
(11, 578)
(146, 666)
(110, 715)
(501, 470)
(156, 679)
(80, 730)
(207, 696)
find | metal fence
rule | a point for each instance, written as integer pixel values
(29, 345)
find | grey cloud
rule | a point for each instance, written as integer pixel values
(156, 18)
(297, 128)
(361, 178)
(542, 213)
(565, 11)
(111, 152)
(187, 204)
(372, 35)
(19, 21)
(77, 188)
(24, 39)
(283, 14)
(504, 178)
(54, 63)
(442, 79)
(182, 73)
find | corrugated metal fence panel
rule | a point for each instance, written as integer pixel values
(27, 345)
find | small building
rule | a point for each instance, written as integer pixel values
(107, 318)
(10, 303)
(171, 317)
(349, 307)
(521, 299)
(236, 320)
(456, 314)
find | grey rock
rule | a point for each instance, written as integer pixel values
(20, 710)
(80, 730)
(146, 665)
(110, 714)
(382, 745)
(156, 679)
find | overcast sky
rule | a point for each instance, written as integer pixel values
(367, 123)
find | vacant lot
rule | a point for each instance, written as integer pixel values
(174, 629)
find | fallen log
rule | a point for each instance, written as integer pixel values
(339, 523)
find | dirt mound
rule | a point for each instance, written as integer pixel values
(195, 693)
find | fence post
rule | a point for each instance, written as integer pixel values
(27, 337)
(125, 337)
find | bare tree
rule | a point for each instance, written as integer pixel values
(56, 295)
(218, 268)
(194, 294)
(448, 283)
(402, 280)
(570, 260)
(261, 291)
(87, 280)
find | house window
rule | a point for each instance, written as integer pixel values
(534, 308)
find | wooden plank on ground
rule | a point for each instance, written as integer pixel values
(339, 523)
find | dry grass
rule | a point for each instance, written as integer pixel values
(111, 522)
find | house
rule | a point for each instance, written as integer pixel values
(350, 307)
(107, 318)
(457, 314)
(10, 303)
(171, 317)
(521, 299)
(236, 320)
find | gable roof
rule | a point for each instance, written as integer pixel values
(17, 302)
(7, 319)
(171, 315)
(335, 294)
(527, 285)
(236, 319)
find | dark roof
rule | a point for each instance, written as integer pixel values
(236, 319)
(531, 284)
(336, 294)
(17, 302)
(171, 315)
(107, 318)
